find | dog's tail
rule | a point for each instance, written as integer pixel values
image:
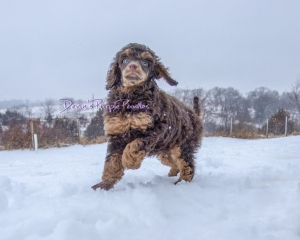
(197, 106)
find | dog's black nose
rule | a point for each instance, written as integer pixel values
(133, 66)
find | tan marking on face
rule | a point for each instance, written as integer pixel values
(127, 51)
(130, 88)
(120, 124)
(146, 55)
(133, 76)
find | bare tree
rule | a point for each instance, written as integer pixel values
(294, 95)
(184, 95)
(48, 109)
(207, 104)
(265, 103)
(228, 103)
(187, 96)
(24, 109)
(28, 111)
(286, 102)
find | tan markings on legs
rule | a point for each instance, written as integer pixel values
(141, 121)
(112, 173)
(116, 125)
(186, 171)
(132, 155)
(168, 161)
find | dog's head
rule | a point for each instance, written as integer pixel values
(134, 65)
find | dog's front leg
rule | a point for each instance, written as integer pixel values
(136, 150)
(112, 173)
(133, 154)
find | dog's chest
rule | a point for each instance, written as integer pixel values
(122, 123)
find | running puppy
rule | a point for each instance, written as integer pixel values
(150, 122)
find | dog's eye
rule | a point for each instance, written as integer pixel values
(145, 63)
(126, 60)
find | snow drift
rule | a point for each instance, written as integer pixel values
(242, 190)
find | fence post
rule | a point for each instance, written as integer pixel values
(78, 126)
(285, 132)
(231, 127)
(267, 129)
(32, 140)
(35, 142)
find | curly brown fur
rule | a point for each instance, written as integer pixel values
(132, 155)
(166, 128)
(168, 161)
(113, 172)
(186, 169)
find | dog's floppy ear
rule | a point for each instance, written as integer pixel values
(162, 72)
(113, 75)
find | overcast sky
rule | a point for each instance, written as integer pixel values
(54, 49)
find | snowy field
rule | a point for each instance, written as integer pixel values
(243, 189)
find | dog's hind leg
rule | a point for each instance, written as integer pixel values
(185, 165)
(168, 161)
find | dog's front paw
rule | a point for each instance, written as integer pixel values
(133, 155)
(103, 185)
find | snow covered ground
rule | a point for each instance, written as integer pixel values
(243, 189)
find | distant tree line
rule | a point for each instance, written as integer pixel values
(16, 130)
(249, 113)
(221, 108)
(17, 133)
(18, 102)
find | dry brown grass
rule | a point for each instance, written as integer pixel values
(84, 140)
(240, 130)
(295, 133)
(245, 134)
